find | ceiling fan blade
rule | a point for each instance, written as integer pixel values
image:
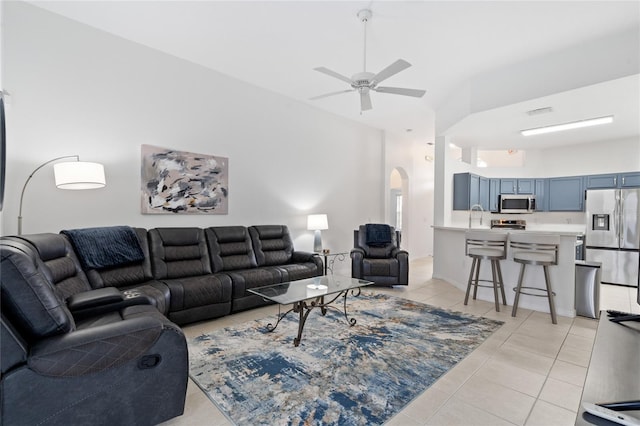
(365, 101)
(331, 94)
(392, 69)
(333, 74)
(416, 93)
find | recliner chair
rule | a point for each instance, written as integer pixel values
(128, 366)
(377, 256)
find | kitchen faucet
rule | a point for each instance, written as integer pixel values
(473, 207)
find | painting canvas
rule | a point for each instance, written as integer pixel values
(183, 182)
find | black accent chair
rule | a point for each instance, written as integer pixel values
(127, 366)
(381, 261)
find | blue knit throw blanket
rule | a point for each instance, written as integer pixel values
(377, 234)
(103, 247)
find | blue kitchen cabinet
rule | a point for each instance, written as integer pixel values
(542, 194)
(494, 194)
(466, 190)
(525, 186)
(630, 180)
(566, 194)
(613, 180)
(483, 193)
(508, 186)
(610, 180)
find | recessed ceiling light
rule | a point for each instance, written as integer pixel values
(568, 126)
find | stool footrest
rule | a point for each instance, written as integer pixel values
(499, 284)
(542, 290)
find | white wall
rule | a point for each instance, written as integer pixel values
(417, 234)
(77, 90)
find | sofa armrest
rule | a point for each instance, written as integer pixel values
(93, 298)
(303, 256)
(103, 300)
(357, 256)
(94, 349)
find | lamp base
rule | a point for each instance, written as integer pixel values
(317, 241)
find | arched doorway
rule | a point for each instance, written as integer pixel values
(398, 199)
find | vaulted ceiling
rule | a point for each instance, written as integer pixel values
(276, 44)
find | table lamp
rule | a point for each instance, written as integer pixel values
(317, 223)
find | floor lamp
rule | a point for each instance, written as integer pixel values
(69, 175)
(317, 223)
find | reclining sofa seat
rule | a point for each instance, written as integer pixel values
(384, 264)
(180, 259)
(231, 252)
(59, 263)
(133, 278)
(273, 247)
(132, 368)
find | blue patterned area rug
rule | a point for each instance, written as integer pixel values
(339, 375)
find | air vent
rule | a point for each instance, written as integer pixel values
(538, 111)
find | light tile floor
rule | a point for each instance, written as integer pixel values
(529, 372)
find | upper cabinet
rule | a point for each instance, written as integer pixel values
(516, 186)
(558, 194)
(470, 190)
(542, 194)
(613, 180)
(566, 194)
(629, 180)
(466, 190)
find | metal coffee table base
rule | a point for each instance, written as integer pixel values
(304, 308)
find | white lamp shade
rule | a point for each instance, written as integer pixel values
(317, 222)
(79, 175)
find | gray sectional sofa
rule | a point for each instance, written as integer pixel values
(86, 340)
(189, 274)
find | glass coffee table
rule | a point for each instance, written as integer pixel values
(305, 295)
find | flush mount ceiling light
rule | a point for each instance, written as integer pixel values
(568, 126)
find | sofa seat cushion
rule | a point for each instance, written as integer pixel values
(380, 267)
(198, 291)
(252, 278)
(298, 271)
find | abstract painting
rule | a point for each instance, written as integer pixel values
(183, 182)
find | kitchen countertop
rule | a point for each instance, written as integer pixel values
(569, 230)
(450, 264)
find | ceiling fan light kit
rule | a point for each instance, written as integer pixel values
(364, 82)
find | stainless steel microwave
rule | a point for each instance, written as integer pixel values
(517, 204)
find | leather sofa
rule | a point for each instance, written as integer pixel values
(123, 365)
(189, 274)
(87, 344)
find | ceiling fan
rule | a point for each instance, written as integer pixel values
(364, 82)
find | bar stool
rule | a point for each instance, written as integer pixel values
(535, 250)
(486, 245)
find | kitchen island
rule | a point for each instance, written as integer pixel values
(452, 265)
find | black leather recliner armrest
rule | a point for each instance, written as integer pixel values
(95, 349)
(93, 298)
(302, 256)
(103, 300)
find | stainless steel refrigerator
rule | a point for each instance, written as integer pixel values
(613, 234)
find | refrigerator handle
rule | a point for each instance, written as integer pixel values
(621, 223)
(616, 224)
